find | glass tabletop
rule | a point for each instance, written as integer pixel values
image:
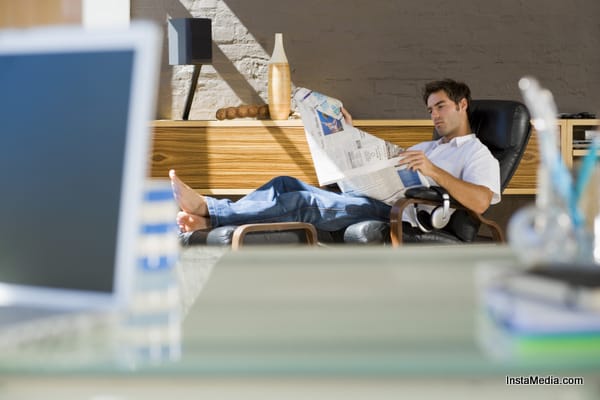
(359, 311)
(341, 311)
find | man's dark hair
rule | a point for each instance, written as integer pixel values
(456, 91)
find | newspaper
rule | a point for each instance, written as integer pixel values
(360, 163)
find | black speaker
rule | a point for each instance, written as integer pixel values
(190, 41)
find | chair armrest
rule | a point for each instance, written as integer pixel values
(425, 197)
(396, 217)
(240, 232)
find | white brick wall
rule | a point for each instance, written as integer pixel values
(238, 74)
(376, 55)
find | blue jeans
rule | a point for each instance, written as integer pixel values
(287, 199)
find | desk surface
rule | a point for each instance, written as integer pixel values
(349, 311)
(344, 311)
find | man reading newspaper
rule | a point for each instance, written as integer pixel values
(457, 161)
(360, 163)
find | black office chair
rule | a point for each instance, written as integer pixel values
(502, 125)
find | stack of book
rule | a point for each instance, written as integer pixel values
(551, 311)
(582, 143)
(586, 142)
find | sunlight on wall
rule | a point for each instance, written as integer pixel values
(238, 74)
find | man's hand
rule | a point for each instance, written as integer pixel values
(416, 160)
(347, 116)
(474, 197)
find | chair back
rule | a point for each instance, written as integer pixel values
(504, 127)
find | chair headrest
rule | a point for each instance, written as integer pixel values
(499, 124)
(504, 127)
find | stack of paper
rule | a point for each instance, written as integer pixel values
(551, 311)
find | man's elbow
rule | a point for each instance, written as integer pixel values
(481, 208)
(483, 203)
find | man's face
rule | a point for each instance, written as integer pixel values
(447, 116)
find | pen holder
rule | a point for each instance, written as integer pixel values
(542, 236)
(547, 233)
(559, 229)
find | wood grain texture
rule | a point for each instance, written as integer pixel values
(231, 157)
(234, 157)
(27, 13)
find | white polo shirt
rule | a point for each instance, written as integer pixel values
(464, 157)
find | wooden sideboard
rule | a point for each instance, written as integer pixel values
(234, 157)
(575, 129)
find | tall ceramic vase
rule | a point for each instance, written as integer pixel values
(280, 86)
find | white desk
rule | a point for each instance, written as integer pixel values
(352, 323)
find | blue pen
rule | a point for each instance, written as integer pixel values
(585, 172)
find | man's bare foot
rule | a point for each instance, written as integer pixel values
(191, 222)
(187, 198)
